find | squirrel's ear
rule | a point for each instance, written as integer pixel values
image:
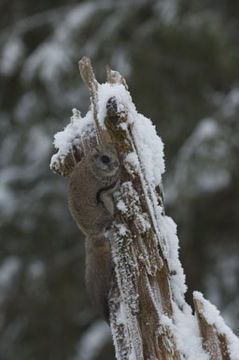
(95, 153)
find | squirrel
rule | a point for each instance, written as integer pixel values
(90, 200)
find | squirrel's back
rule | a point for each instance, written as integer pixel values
(90, 199)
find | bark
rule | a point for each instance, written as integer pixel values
(214, 342)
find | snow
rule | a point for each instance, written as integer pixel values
(54, 57)
(106, 91)
(186, 331)
(7, 199)
(167, 10)
(8, 270)
(231, 103)
(38, 145)
(122, 229)
(92, 341)
(132, 163)
(132, 348)
(212, 315)
(26, 106)
(49, 60)
(207, 128)
(216, 180)
(203, 162)
(72, 134)
(36, 269)
(121, 206)
(177, 280)
(75, 19)
(150, 148)
(11, 55)
(225, 276)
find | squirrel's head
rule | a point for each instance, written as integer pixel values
(105, 162)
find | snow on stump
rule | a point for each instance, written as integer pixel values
(149, 317)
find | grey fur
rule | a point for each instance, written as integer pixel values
(90, 199)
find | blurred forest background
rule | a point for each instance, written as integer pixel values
(181, 61)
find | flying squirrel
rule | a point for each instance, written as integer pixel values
(90, 199)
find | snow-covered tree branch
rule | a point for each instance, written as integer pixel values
(149, 316)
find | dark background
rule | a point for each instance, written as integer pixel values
(181, 61)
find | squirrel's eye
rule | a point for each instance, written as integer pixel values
(105, 159)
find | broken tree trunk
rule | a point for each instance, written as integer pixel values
(149, 317)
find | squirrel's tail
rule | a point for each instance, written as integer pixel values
(98, 272)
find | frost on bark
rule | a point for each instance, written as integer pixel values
(149, 317)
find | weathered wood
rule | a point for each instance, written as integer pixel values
(214, 342)
(142, 300)
(88, 76)
(141, 271)
(114, 77)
